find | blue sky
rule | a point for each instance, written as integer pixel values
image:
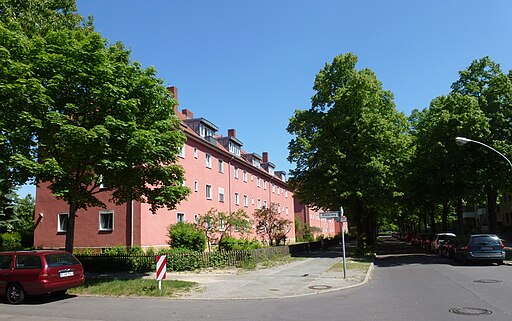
(250, 64)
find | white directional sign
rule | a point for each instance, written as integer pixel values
(332, 214)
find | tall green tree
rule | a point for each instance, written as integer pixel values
(440, 171)
(349, 146)
(93, 119)
(485, 81)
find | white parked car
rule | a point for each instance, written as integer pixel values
(439, 239)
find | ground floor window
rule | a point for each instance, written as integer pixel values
(62, 224)
(106, 220)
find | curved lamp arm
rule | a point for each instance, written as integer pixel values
(463, 141)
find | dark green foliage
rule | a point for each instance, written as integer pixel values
(10, 241)
(230, 243)
(186, 236)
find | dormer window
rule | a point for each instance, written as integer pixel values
(234, 148)
(205, 131)
(256, 162)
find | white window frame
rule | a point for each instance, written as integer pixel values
(196, 153)
(196, 186)
(258, 182)
(252, 200)
(180, 217)
(244, 175)
(246, 201)
(235, 172)
(259, 203)
(101, 227)
(265, 185)
(182, 151)
(237, 199)
(208, 191)
(208, 160)
(60, 228)
(221, 195)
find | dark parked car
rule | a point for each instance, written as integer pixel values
(24, 273)
(481, 247)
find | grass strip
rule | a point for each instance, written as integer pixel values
(133, 287)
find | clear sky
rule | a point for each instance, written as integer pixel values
(249, 64)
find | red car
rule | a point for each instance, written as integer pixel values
(24, 273)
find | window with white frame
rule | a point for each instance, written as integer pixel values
(235, 172)
(208, 192)
(265, 204)
(246, 200)
(180, 217)
(196, 186)
(237, 199)
(221, 166)
(252, 200)
(286, 194)
(286, 211)
(106, 220)
(222, 225)
(196, 153)
(279, 191)
(221, 195)
(265, 185)
(196, 218)
(208, 160)
(259, 203)
(62, 224)
(244, 175)
(273, 188)
(258, 182)
(182, 152)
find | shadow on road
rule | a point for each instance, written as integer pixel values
(392, 252)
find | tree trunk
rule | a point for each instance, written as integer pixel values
(432, 210)
(444, 218)
(70, 232)
(460, 218)
(492, 196)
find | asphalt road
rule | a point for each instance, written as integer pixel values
(405, 285)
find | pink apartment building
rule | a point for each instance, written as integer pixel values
(220, 174)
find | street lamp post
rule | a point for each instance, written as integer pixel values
(463, 141)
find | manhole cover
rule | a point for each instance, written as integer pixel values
(470, 311)
(320, 287)
(487, 281)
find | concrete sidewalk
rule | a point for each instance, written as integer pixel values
(305, 276)
(302, 276)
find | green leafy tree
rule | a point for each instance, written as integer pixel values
(217, 225)
(91, 117)
(270, 226)
(186, 236)
(440, 172)
(349, 146)
(485, 81)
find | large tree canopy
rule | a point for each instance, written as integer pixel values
(89, 116)
(349, 146)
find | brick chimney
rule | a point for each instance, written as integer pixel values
(231, 133)
(265, 157)
(188, 114)
(174, 92)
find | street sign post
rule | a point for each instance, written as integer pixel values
(339, 216)
(329, 214)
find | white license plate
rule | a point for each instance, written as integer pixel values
(486, 248)
(66, 274)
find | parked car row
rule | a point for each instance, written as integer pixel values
(472, 248)
(24, 273)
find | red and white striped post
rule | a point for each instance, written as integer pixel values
(161, 269)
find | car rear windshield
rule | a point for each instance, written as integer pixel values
(485, 240)
(444, 237)
(60, 259)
